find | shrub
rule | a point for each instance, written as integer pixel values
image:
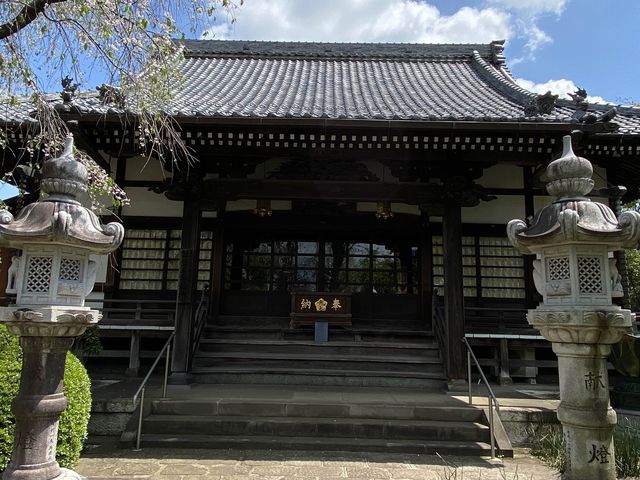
(74, 420)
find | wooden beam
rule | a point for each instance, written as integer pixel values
(214, 190)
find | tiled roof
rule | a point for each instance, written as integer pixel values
(357, 81)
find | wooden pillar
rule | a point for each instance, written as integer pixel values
(186, 300)
(615, 202)
(531, 296)
(217, 264)
(426, 271)
(453, 291)
(113, 278)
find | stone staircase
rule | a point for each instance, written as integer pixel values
(265, 350)
(355, 419)
(261, 385)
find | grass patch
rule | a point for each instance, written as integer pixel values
(549, 447)
(452, 471)
(627, 441)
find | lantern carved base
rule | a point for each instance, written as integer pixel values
(582, 341)
(46, 334)
(52, 321)
(606, 325)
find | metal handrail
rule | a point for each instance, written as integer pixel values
(200, 319)
(437, 315)
(141, 389)
(492, 400)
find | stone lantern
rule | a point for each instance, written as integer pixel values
(50, 278)
(575, 272)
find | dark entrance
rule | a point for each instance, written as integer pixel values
(263, 266)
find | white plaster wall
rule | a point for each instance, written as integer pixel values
(499, 211)
(102, 261)
(150, 204)
(139, 168)
(599, 177)
(502, 176)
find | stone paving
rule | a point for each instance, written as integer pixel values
(163, 464)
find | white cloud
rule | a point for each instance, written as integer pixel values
(536, 38)
(561, 87)
(363, 21)
(535, 7)
(393, 21)
(527, 14)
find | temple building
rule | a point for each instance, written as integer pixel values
(367, 185)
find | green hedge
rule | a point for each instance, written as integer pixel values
(74, 420)
(633, 270)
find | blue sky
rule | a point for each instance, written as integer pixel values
(551, 44)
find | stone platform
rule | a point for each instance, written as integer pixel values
(107, 461)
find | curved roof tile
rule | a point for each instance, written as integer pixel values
(361, 81)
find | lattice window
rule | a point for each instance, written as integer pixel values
(590, 274)
(558, 269)
(39, 274)
(151, 259)
(70, 269)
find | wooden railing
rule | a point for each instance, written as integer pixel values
(497, 331)
(136, 318)
(500, 331)
(496, 319)
(140, 312)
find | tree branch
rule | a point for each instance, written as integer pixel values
(27, 15)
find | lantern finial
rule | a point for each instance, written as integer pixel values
(64, 179)
(569, 176)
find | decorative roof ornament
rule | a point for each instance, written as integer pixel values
(68, 89)
(541, 105)
(59, 217)
(579, 97)
(111, 95)
(573, 217)
(582, 113)
(497, 52)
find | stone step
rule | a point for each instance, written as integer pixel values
(424, 430)
(309, 346)
(261, 375)
(319, 356)
(283, 322)
(307, 334)
(317, 444)
(316, 362)
(263, 408)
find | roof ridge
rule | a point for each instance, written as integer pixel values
(263, 49)
(628, 109)
(502, 80)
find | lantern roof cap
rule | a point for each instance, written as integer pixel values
(59, 217)
(573, 218)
